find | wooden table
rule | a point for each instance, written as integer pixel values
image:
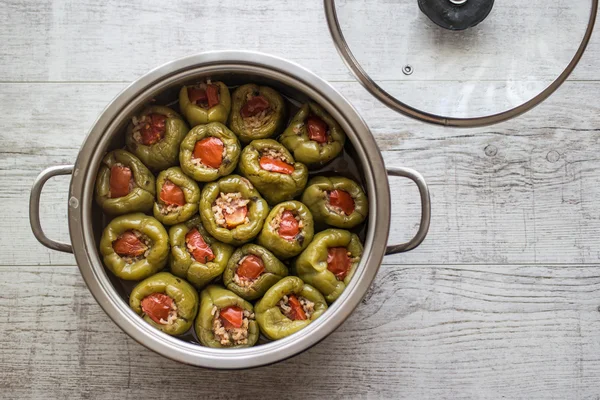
(500, 301)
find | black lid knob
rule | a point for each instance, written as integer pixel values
(456, 15)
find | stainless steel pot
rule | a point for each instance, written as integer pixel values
(85, 221)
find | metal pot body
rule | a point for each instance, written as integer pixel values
(85, 220)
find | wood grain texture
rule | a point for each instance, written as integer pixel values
(518, 332)
(92, 40)
(520, 192)
(500, 301)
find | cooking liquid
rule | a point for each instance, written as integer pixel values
(343, 165)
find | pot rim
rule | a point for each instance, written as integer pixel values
(131, 98)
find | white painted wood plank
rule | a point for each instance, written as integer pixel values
(91, 40)
(532, 199)
(517, 332)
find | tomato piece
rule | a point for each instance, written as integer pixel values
(231, 317)
(154, 129)
(275, 165)
(288, 226)
(317, 129)
(199, 249)
(197, 96)
(212, 93)
(120, 178)
(157, 306)
(129, 245)
(297, 312)
(210, 151)
(171, 194)
(237, 217)
(343, 200)
(338, 262)
(250, 268)
(254, 106)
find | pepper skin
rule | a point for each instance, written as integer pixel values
(203, 173)
(197, 115)
(257, 210)
(181, 292)
(158, 250)
(274, 122)
(274, 186)
(287, 247)
(317, 194)
(310, 152)
(140, 197)
(274, 270)
(164, 153)
(312, 264)
(212, 296)
(183, 263)
(191, 193)
(273, 323)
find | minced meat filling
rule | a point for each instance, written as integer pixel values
(275, 154)
(249, 269)
(230, 210)
(204, 95)
(132, 246)
(256, 112)
(149, 129)
(286, 230)
(160, 308)
(231, 335)
(286, 308)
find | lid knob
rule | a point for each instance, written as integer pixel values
(456, 15)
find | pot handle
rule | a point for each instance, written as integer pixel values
(418, 179)
(34, 207)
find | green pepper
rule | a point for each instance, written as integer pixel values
(272, 170)
(199, 112)
(313, 136)
(144, 237)
(274, 322)
(288, 229)
(140, 190)
(177, 197)
(252, 270)
(336, 201)
(209, 152)
(215, 303)
(257, 112)
(329, 262)
(164, 295)
(199, 259)
(244, 218)
(155, 135)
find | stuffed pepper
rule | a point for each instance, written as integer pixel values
(272, 170)
(252, 270)
(329, 262)
(195, 255)
(205, 102)
(166, 302)
(225, 319)
(178, 197)
(257, 112)
(313, 136)
(134, 246)
(288, 229)
(154, 136)
(124, 185)
(336, 201)
(209, 152)
(232, 210)
(287, 307)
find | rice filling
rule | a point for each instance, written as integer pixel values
(231, 336)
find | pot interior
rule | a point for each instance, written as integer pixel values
(348, 164)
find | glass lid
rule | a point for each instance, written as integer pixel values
(461, 62)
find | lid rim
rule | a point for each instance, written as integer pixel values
(390, 101)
